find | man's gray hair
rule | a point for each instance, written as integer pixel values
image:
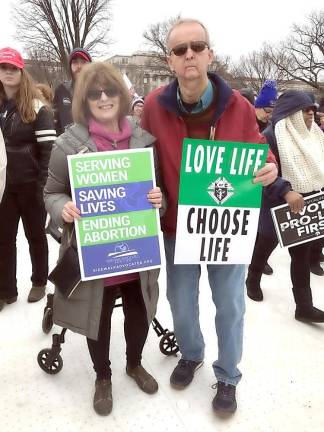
(187, 21)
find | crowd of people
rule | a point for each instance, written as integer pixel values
(93, 112)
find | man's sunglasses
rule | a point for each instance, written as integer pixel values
(195, 46)
(96, 94)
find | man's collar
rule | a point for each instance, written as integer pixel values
(204, 102)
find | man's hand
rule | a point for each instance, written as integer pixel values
(155, 197)
(70, 212)
(267, 174)
(295, 201)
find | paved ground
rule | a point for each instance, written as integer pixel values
(281, 389)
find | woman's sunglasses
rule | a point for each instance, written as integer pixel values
(96, 94)
(195, 46)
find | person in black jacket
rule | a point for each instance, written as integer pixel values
(263, 104)
(27, 126)
(298, 145)
(64, 92)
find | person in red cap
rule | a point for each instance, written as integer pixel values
(64, 92)
(27, 126)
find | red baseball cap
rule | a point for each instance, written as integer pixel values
(80, 52)
(11, 56)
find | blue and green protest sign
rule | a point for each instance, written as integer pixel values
(219, 205)
(119, 229)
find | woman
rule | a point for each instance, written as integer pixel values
(298, 145)
(46, 93)
(28, 129)
(100, 104)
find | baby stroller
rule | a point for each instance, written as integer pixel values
(50, 360)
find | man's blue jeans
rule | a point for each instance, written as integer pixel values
(227, 285)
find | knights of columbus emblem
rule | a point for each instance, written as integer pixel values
(220, 190)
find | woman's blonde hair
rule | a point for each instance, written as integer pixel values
(46, 93)
(25, 97)
(92, 76)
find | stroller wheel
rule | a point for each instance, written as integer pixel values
(47, 322)
(49, 365)
(168, 344)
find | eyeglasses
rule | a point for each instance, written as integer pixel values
(96, 93)
(195, 46)
(8, 67)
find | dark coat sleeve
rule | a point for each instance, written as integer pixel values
(45, 136)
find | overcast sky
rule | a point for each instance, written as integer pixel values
(236, 27)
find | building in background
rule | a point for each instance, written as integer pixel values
(144, 70)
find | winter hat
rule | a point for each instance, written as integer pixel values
(80, 52)
(11, 56)
(137, 101)
(248, 94)
(267, 96)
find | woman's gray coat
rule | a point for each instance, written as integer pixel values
(81, 312)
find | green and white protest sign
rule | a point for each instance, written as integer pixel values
(219, 204)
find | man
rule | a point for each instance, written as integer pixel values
(200, 105)
(3, 165)
(64, 92)
(264, 103)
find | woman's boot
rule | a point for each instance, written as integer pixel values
(253, 285)
(305, 311)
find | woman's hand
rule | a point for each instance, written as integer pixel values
(295, 201)
(155, 197)
(70, 212)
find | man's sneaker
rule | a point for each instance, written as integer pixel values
(225, 401)
(36, 293)
(102, 400)
(143, 379)
(184, 372)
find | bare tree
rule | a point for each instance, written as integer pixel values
(155, 38)
(44, 70)
(301, 56)
(254, 68)
(53, 28)
(221, 66)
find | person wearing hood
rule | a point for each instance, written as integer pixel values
(64, 92)
(298, 144)
(27, 126)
